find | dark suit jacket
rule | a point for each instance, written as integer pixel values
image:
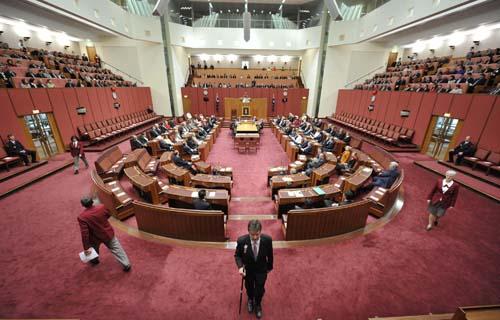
(244, 254)
(386, 178)
(76, 151)
(201, 204)
(136, 144)
(153, 133)
(178, 161)
(467, 148)
(448, 199)
(14, 148)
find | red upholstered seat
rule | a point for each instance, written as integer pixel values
(480, 155)
(492, 160)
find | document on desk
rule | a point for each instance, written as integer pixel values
(93, 254)
(319, 191)
(287, 179)
(194, 194)
(211, 194)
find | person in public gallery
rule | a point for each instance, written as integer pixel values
(441, 198)
(254, 258)
(76, 150)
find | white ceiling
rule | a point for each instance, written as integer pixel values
(293, 2)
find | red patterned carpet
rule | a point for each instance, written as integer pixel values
(399, 269)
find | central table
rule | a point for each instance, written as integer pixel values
(247, 127)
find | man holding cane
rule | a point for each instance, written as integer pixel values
(254, 258)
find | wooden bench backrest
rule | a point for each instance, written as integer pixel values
(196, 225)
(326, 222)
(107, 159)
(106, 197)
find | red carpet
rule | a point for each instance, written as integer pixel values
(399, 269)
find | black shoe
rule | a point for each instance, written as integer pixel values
(250, 306)
(436, 223)
(95, 261)
(127, 268)
(258, 312)
(76, 171)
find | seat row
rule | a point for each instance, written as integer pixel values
(6, 160)
(107, 129)
(485, 159)
(385, 132)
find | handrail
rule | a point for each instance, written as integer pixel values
(128, 75)
(351, 82)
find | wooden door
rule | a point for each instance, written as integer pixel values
(91, 53)
(186, 104)
(393, 56)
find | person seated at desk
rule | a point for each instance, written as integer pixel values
(190, 147)
(298, 140)
(201, 134)
(155, 131)
(165, 143)
(386, 178)
(288, 130)
(347, 198)
(464, 149)
(135, 143)
(345, 155)
(307, 149)
(201, 203)
(328, 145)
(347, 138)
(348, 166)
(14, 148)
(317, 135)
(178, 161)
(163, 128)
(308, 130)
(314, 163)
(308, 204)
(177, 136)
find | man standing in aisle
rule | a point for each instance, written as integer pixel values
(95, 229)
(254, 258)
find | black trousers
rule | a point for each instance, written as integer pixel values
(458, 159)
(24, 156)
(254, 283)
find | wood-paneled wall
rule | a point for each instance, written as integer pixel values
(480, 112)
(62, 102)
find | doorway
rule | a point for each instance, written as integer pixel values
(443, 131)
(42, 134)
(91, 53)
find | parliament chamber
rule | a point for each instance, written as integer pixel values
(335, 123)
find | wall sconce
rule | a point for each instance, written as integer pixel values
(26, 38)
(452, 47)
(476, 42)
(432, 51)
(48, 43)
(185, 96)
(66, 47)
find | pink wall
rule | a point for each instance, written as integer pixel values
(62, 102)
(480, 112)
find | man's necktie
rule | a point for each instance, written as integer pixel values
(255, 250)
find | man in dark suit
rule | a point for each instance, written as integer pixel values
(135, 143)
(201, 203)
(464, 149)
(155, 132)
(328, 145)
(254, 258)
(16, 149)
(386, 178)
(307, 149)
(178, 161)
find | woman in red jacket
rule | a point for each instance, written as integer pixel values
(443, 196)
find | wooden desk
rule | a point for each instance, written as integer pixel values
(331, 158)
(165, 158)
(182, 197)
(224, 171)
(357, 179)
(286, 199)
(292, 150)
(247, 127)
(180, 175)
(321, 173)
(212, 181)
(289, 181)
(297, 165)
(203, 167)
(203, 150)
(276, 171)
(149, 188)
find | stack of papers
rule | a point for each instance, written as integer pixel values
(287, 179)
(297, 194)
(93, 254)
(319, 191)
(211, 194)
(194, 194)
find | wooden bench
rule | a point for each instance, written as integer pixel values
(183, 197)
(110, 163)
(149, 188)
(142, 159)
(383, 199)
(325, 222)
(112, 196)
(176, 174)
(6, 160)
(186, 224)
